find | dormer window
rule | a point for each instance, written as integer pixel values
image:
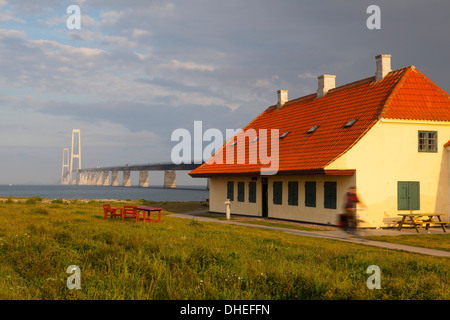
(284, 135)
(313, 129)
(350, 123)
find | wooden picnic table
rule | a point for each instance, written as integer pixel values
(416, 220)
(146, 211)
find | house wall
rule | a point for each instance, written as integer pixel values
(218, 195)
(318, 214)
(387, 154)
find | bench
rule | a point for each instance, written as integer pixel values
(418, 219)
(442, 223)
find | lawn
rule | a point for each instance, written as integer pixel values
(188, 259)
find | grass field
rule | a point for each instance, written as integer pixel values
(188, 259)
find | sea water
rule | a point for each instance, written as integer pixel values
(185, 193)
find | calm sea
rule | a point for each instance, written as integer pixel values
(99, 192)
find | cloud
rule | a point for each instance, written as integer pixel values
(138, 70)
(307, 75)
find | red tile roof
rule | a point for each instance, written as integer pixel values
(402, 94)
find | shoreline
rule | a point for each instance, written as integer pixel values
(49, 200)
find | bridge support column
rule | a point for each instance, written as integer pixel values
(127, 179)
(98, 178)
(114, 178)
(105, 180)
(92, 178)
(143, 179)
(82, 179)
(169, 179)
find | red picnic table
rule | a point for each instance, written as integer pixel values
(146, 211)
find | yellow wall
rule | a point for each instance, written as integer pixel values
(218, 195)
(388, 153)
(318, 214)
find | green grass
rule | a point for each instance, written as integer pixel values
(189, 259)
(260, 222)
(433, 241)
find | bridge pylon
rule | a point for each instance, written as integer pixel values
(75, 155)
(65, 167)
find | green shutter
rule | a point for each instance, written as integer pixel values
(277, 192)
(293, 193)
(414, 196)
(252, 192)
(408, 195)
(330, 195)
(241, 192)
(310, 194)
(403, 201)
(230, 190)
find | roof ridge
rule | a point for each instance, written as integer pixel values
(341, 87)
(386, 104)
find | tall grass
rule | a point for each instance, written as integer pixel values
(188, 259)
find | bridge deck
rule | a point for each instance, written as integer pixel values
(144, 167)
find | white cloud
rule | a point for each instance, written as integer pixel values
(176, 65)
(307, 75)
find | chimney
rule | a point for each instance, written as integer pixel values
(383, 66)
(282, 97)
(326, 82)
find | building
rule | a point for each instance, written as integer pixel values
(388, 135)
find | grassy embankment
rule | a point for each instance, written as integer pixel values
(188, 259)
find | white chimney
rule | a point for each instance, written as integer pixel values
(282, 97)
(383, 66)
(326, 82)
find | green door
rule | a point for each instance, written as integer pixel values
(408, 195)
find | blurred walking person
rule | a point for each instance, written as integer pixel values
(350, 223)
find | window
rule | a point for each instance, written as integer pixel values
(427, 141)
(284, 135)
(313, 129)
(241, 192)
(310, 194)
(293, 193)
(252, 192)
(230, 190)
(330, 195)
(350, 123)
(408, 195)
(277, 192)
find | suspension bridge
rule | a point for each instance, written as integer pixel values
(72, 173)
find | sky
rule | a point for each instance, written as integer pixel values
(137, 70)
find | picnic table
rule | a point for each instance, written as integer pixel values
(146, 213)
(416, 219)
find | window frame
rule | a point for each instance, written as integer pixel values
(241, 191)
(310, 194)
(330, 195)
(293, 193)
(277, 188)
(230, 190)
(426, 146)
(252, 192)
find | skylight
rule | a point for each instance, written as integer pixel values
(350, 123)
(313, 129)
(284, 134)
